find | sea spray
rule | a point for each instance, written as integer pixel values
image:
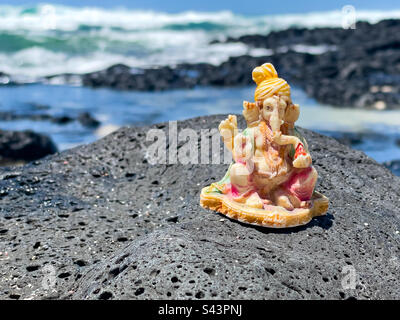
(46, 39)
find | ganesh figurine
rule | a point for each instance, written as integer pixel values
(271, 180)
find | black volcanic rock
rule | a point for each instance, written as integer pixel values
(357, 67)
(84, 118)
(12, 116)
(5, 78)
(363, 70)
(365, 34)
(108, 225)
(125, 78)
(87, 120)
(393, 165)
(361, 67)
(24, 146)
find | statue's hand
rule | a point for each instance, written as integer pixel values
(228, 130)
(302, 161)
(283, 139)
(251, 112)
(229, 125)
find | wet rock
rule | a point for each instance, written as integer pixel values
(354, 139)
(358, 68)
(65, 78)
(393, 166)
(18, 147)
(12, 116)
(200, 255)
(5, 78)
(126, 78)
(87, 120)
(363, 70)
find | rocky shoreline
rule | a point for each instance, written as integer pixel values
(20, 147)
(105, 224)
(340, 67)
(393, 166)
(360, 68)
(84, 118)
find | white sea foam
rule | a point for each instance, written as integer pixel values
(50, 39)
(58, 17)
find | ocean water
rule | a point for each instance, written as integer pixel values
(46, 39)
(50, 39)
(379, 131)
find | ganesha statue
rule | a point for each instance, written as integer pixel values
(271, 180)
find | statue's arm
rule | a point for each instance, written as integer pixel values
(283, 139)
(228, 131)
(302, 158)
(251, 112)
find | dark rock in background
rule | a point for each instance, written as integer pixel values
(126, 78)
(24, 146)
(354, 139)
(108, 225)
(360, 69)
(84, 118)
(393, 166)
(87, 120)
(5, 78)
(65, 78)
(12, 116)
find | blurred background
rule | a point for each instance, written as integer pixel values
(74, 71)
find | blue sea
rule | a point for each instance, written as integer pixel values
(42, 40)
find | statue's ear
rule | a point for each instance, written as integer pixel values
(292, 113)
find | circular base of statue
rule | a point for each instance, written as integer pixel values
(270, 216)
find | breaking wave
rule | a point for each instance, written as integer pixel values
(51, 39)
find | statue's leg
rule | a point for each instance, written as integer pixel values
(255, 201)
(240, 177)
(298, 190)
(242, 189)
(283, 198)
(302, 183)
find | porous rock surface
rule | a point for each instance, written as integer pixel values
(112, 226)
